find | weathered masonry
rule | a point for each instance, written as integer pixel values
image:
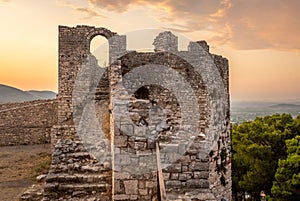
(27, 123)
(112, 121)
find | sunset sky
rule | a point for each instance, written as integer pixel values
(261, 38)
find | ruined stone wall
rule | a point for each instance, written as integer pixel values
(74, 50)
(74, 172)
(27, 123)
(200, 170)
(192, 154)
(135, 145)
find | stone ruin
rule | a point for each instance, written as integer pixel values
(150, 126)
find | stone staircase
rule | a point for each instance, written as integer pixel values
(76, 175)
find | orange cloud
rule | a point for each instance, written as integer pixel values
(184, 16)
(89, 12)
(255, 24)
(121, 6)
(260, 24)
(81, 8)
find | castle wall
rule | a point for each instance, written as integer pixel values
(27, 123)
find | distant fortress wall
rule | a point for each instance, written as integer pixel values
(27, 123)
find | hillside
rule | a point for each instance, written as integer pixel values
(286, 106)
(42, 94)
(10, 94)
(248, 110)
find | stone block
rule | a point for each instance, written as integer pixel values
(117, 187)
(185, 168)
(174, 176)
(185, 159)
(175, 168)
(139, 145)
(151, 184)
(121, 197)
(120, 141)
(141, 184)
(131, 187)
(166, 175)
(184, 176)
(201, 175)
(143, 191)
(133, 197)
(173, 183)
(121, 175)
(200, 166)
(197, 183)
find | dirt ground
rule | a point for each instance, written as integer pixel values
(19, 166)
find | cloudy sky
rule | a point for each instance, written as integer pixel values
(259, 37)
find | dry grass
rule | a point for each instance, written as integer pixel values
(19, 166)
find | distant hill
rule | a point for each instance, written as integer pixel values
(42, 94)
(249, 110)
(10, 94)
(285, 106)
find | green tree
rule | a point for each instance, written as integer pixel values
(287, 184)
(258, 145)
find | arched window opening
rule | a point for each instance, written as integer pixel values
(100, 49)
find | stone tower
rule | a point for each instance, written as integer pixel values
(163, 112)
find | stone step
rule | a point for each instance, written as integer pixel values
(78, 178)
(75, 190)
(78, 155)
(77, 169)
(84, 198)
(76, 175)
